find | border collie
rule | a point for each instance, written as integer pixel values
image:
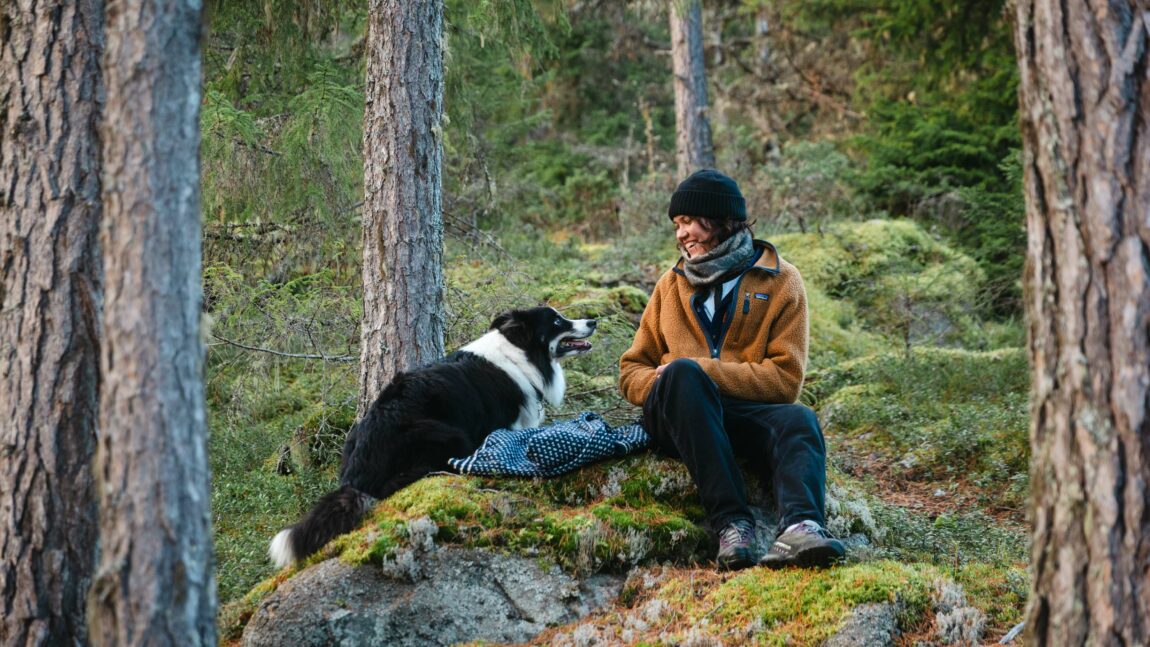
(439, 411)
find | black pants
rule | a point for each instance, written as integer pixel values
(689, 420)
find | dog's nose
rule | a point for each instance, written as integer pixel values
(591, 323)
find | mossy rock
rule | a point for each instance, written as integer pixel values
(600, 518)
(837, 331)
(629, 298)
(756, 606)
(640, 511)
(234, 616)
(667, 605)
(901, 280)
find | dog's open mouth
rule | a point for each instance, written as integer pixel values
(574, 346)
(573, 341)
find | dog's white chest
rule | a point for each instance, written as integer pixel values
(531, 414)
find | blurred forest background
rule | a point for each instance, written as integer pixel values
(876, 142)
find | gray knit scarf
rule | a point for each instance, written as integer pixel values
(720, 263)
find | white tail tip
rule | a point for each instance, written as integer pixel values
(280, 549)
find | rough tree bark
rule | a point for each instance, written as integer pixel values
(1085, 113)
(693, 147)
(402, 217)
(50, 283)
(154, 582)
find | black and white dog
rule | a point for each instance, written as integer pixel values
(439, 411)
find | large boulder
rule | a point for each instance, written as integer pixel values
(445, 596)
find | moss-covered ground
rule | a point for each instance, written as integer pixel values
(666, 605)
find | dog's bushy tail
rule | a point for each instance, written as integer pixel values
(336, 513)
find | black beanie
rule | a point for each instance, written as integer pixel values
(708, 194)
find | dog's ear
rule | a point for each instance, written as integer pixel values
(512, 327)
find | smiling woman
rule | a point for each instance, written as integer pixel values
(717, 373)
(695, 235)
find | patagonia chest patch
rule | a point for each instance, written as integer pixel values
(762, 296)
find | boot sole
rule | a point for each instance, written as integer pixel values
(738, 561)
(814, 557)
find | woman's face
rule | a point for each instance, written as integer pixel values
(693, 235)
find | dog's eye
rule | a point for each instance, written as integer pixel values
(557, 322)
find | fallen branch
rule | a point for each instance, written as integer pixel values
(326, 358)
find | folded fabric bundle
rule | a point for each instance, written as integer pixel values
(552, 450)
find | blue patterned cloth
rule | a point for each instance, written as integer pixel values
(552, 450)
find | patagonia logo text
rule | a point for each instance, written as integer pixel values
(760, 295)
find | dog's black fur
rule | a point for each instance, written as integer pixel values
(439, 411)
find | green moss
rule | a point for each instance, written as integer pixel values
(234, 616)
(759, 606)
(836, 331)
(899, 279)
(654, 529)
(629, 298)
(601, 532)
(445, 499)
(998, 590)
(806, 607)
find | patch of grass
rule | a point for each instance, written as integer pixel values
(953, 539)
(940, 416)
(251, 500)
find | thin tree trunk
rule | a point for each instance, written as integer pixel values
(693, 147)
(50, 283)
(154, 583)
(402, 214)
(1085, 112)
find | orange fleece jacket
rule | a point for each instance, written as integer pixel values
(763, 352)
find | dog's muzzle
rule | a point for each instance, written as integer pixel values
(573, 343)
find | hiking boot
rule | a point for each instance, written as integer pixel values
(805, 544)
(735, 545)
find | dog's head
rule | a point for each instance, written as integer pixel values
(544, 329)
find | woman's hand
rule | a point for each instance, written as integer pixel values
(659, 370)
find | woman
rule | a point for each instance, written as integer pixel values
(717, 364)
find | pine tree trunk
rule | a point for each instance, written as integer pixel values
(154, 582)
(1085, 113)
(50, 283)
(693, 147)
(402, 218)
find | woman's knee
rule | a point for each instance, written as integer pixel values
(801, 421)
(683, 366)
(686, 375)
